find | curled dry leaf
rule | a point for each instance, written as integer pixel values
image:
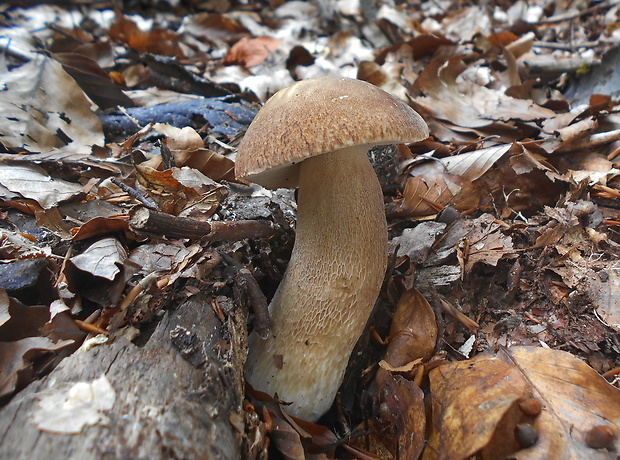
(485, 243)
(23, 360)
(185, 138)
(294, 438)
(473, 393)
(576, 400)
(400, 418)
(155, 40)
(449, 181)
(20, 321)
(489, 392)
(211, 164)
(102, 259)
(100, 226)
(177, 189)
(414, 331)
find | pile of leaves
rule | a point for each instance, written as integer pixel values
(499, 320)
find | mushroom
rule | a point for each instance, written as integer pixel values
(315, 135)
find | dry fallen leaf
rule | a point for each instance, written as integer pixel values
(467, 104)
(486, 243)
(469, 399)
(449, 181)
(33, 182)
(400, 418)
(42, 108)
(104, 259)
(93, 80)
(413, 332)
(476, 400)
(399, 415)
(21, 361)
(249, 52)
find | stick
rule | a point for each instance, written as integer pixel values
(144, 220)
(245, 283)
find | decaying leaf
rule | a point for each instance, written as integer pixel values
(160, 258)
(466, 104)
(100, 226)
(449, 181)
(473, 399)
(153, 40)
(42, 108)
(413, 332)
(20, 321)
(469, 399)
(21, 361)
(486, 243)
(93, 80)
(178, 189)
(102, 259)
(33, 182)
(293, 437)
(400, 418)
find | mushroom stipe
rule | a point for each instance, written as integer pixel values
(316, 135)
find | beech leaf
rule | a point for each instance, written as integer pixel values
(42, 108)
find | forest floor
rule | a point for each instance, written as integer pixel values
(497, 330)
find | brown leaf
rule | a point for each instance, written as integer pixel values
(43, 108)
(21, 361)
(211, 164)
(22, 321)
(424, 196)
(155, 40)
(249, 52)
(213, 27)
(449, 181)
(93, 80)
(100, 226)
(32, 181)
(576, 400)
(400, 418)
(176, 188)
(487, 244)
(293, 437)
(476, 107)
(413, 332)
(103, 259)
(489, 393)
(469, 399)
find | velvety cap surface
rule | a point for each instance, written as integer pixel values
(316, 116)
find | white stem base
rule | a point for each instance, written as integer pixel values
(330, 286)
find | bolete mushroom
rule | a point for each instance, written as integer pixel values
(315, 135)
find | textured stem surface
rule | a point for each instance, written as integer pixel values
(330, 286)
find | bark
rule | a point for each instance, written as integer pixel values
(178, 396)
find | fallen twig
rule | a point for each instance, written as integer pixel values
(144, 220)
(247, 287)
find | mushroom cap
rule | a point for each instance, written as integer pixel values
(317, 116)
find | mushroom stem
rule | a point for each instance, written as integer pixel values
(330, 286)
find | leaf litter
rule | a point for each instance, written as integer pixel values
(499, 314)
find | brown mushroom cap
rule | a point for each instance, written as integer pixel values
(316, 116)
